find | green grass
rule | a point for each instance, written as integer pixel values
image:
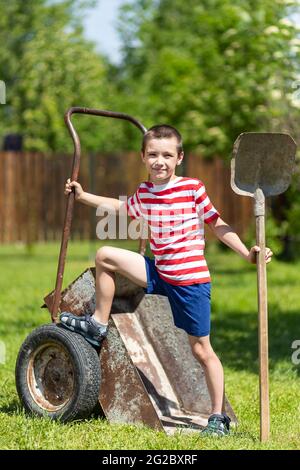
(26, 278)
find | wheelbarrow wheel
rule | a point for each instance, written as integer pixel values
(57, 374)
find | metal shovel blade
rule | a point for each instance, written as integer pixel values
(262, 160)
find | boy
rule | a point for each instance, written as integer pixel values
(175, 208)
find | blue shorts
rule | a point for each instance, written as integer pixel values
(190, 305)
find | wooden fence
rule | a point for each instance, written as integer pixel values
(32, 202)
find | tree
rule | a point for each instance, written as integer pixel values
(48, 66)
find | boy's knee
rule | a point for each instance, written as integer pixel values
(103, 255)
(202, 354)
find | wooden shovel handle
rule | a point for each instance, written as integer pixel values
(262, 326)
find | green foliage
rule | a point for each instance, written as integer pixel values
(282, 223)
(213, 68)
(275, 233)
(48, 66)
(291, 220)
(292, 213)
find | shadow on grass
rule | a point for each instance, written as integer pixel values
(235, 338)
(16, 407)
(12, 408)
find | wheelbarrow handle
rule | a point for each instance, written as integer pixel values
(259, 211)
(71, 197)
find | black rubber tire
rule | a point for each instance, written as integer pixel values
(58, 374)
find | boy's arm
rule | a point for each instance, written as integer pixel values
(92, 199)
(96, 201)
(229, 237)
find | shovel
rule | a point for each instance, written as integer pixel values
(262, 166)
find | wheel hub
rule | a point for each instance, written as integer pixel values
(51, 376)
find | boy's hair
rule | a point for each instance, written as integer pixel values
(162, 131)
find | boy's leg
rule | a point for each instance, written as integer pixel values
(213, 370)
(110, 260)
(218, 422)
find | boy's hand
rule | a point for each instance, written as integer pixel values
(253, 252)
(73, 184)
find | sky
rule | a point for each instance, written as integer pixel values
(99, 26)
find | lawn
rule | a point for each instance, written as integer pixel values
(26, 278)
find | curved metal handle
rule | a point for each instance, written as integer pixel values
(71, 198)
(94, 112)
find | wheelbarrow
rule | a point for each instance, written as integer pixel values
(144, 372)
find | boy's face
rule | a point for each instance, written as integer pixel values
(161, 158)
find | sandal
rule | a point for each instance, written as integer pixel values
(86, 326)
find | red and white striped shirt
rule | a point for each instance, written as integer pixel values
(175, 213)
